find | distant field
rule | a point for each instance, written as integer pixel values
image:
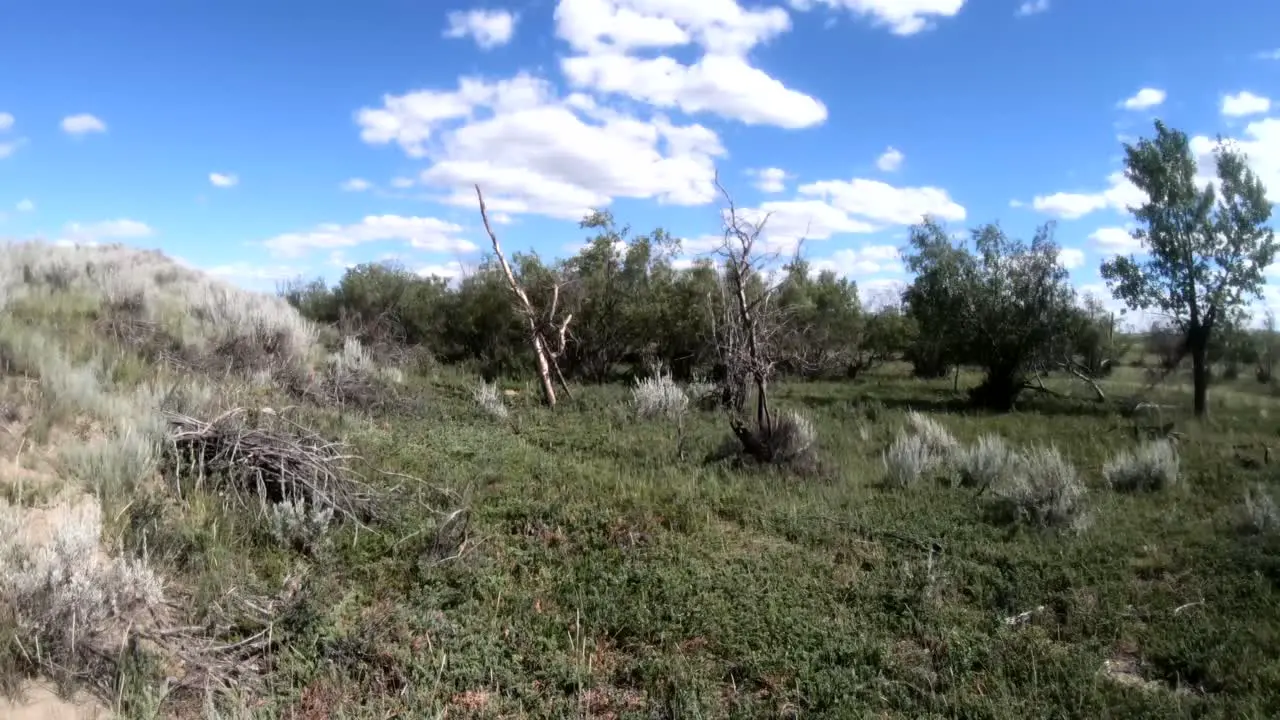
(584, 563)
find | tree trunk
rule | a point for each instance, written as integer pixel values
(544, 367)
(1200, 372)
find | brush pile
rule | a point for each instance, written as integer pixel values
(271, 462)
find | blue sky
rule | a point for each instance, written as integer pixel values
(266, 140)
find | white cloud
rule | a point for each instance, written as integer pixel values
(722, 27)
(725, 85)
(534, 152)
(1269, 55)
(1119, 196)
(882, 203)
(10, 147)
(1115, 241)
(835, 207)
(254, 272)
(770, 180)
(82, 124)
(92, 233)
(6, 121)
(606, 34)
(1071, 258)
(1032, 7)
(1260, 141)
(25, 205)
(401, 183)
(866, 260)
(489, 28)
(423, 233)
(890, 160)
(902, 17)
(356, 185)
(1245, 103)
(451, 271)
(1145, 99)
(223, 180)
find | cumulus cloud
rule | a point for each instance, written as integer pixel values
(82, 124)
(8, 147)
(1259, 141)
(1115, 241)
(489, 28)
(223, 180)
(401, 183)
(1119, 195)
(1245, 103)
(356, 185)
(884, 204)
(902, 17)
(534, 152)
(423, 233)
(250, 272)
(836, 207)
(1145, 99)
(890, 160)
(1032, 7)
(770, 180)
(865, 260)
(606, 35)
(1071, 258)
(25, 205)
(451, 271)
(76, 233)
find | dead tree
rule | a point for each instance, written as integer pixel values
(547, 335)
(752, 322)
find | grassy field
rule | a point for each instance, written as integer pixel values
(585, 563)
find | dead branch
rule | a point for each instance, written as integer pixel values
(545, 353)
(272, 464)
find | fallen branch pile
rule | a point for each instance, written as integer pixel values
(272, 464)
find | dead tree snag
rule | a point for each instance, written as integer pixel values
(547, 335)
(749, 333)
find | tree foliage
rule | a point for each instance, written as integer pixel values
(1206, 244)
(1003, 305)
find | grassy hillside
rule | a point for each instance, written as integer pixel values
(475, 555)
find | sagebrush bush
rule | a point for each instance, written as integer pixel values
(659, 397)
(1043, 489)
(1151, 466)
(934, 434)
(700, 392)
(1261, 515)
(986, 463)
(65, 596)
(923, 450)
(793, 438)
(303, 527)
(907, 460)
(489, 400)
(115, 463)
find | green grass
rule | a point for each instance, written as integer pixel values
(607, 576)
(605, 569)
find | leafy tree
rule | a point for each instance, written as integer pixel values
(1206, 248)
(942, 272)
(1005, 305)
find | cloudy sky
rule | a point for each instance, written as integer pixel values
(267, 140)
